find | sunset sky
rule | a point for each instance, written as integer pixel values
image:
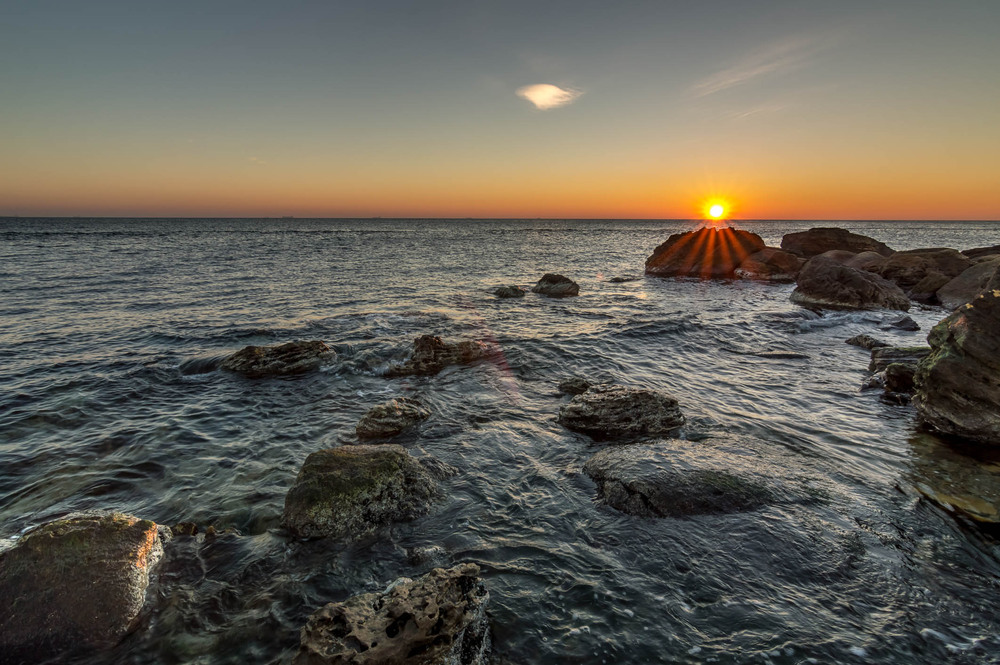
(791, 109)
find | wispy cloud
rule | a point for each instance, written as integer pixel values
(778, 57)
(546, 96)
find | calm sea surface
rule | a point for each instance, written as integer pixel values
(111, 332)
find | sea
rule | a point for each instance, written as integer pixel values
(111, 335)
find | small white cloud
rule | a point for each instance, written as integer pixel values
(546, 96)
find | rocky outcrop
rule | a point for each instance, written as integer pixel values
(909, 267)
(76, 584)
(814, 242)
(980, 252)
(391, 418)
(983, 276)
(611, 412)
(865, 342)
(431, 354)
(870, 261)
(904, 323)
(291, 358)
(349, 492)
(574, 386)
(824, 283)
(899, 377)
(708, 253)
(770, 264)
(925, 291)
(957, 388)
(906, 355)
(556, 286)
(437, 619)
(510, 291)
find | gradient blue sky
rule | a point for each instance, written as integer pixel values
(784, 109)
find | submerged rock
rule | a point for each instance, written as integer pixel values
(866, 342)
(770, 264)
(709, 253)
(613, 411)
(905, 323)
(556, 286)
(957, 388)
(391, 418)
(962, 480)
(824, 283)
(510, 291)
(76, 584)
(349, 492)
(907, 355)
(574, 386)
(291, 358)
(984, 276)
(909, 267)
(431, 355)
(437, 619)
(814, 242)
(624, 278)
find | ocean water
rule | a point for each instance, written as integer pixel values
(111, 332)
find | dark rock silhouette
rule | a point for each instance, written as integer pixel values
(431, 354)
(907, 268)
(574, 386)
(866, 342)
(884, 356)
(814, 242)
(825, 283)
(291, 358)
(770, 264)
(925, 291)
(708, 253)
(981, 277)
(510, 291)
(905, 323)
(980, 252)
(391, 418)
(556, 286)
(612, 411)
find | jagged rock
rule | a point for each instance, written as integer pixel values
(925, 291)
(870, 261)
(865, 342)
(973, 281)
(290, 358)
(556, 286)
(814, 242)
(76, 584)
(431, 355)
(906, 355)
(957, 388)
(510, 291)
(391, 418)
(824, 283)
(905, 323)
(907, 268)
(437, 619)
(349, 492)
(770, 264)
(574, 386)
(708, 253)
(980, 252)
(613, 411)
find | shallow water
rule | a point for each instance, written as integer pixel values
(111, 332)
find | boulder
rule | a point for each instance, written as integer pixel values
(437, 619)
(824, 283)
(574, 386)
(841, 256)
(708, 253)
(909, 267)
(391, 418)
(907, 355)
(510, 291)
(76, 584)
(609, 411)
(980, 252)
(813, 242)
(959, 479)
(556, 286)
(349, 492)
(925, 291)
(865, 342)
(770, 264)
(870, 261)
(905, 323)
(431, 355)
(968, 285)
(957, 388)
(899, 377)
(290, 358)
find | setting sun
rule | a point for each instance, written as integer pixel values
(716, 211)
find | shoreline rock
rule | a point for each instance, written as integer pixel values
(609, 411)
(510, 291)
(291, 358)
(825, 283)
(966, 287)
(556, 286)
(431, 354)
(771, 265)
(908, 268)
(708, 253)
(884, 356)
(866, 342)
(391, 418)
(816, 241)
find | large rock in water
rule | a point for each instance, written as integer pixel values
(909, 267)
(391, 418)
(825, 283)
(611, 411)
(984, 276)
(813, 242)
(958, 391)
(709, 253)
(349, 492)
(290, 358)
(556, 286)
(437, 619)
(770, 264)
(74, 585)
(431, 354)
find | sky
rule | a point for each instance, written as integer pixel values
(581, 109)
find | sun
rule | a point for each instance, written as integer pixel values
(716, 211)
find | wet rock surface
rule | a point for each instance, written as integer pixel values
(431, 354)
(770, 264)
(909, 267)
(962, 479)
(391, 418)
(983, 276)
(708, 253)
(870, 261)
(574, 386)
(905, 323)
(825, 283)
(349, 492)
(556, 286)
(925, 291)
(866, 342)
(77, 584)
(437, 619)
(290, 358)
(608, 411)
(884, 356)
(813, 242)
(510, 291)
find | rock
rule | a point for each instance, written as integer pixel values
(907, 355)
(957, 388)
(905, 323)
(770, 264)
(349, 492)
(574, 386)
(556, 286)
(824, 283)
(979, 252)
(841, 256)
(708, 253)
(431, 355)
(612, 411)
(909, 267)
(290, 358)
(510, 291)
(899, 377)
(437, 619)
(624, 278)
(813, 242)
(961, 479)
(968, 285)
(391, 418)
(925, 291)
(866, 342)
(75, 584)
(870, 261)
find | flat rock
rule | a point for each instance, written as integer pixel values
(814, 242)
(431, 354)
(865, 342)
(351, 491)
(983, 276)
(290, 358)
(613, 411)
(708, 253)
(909, 267)
(391, 418)
(770, 264)
(556, 286)
(624, 278)
(77, 584)
(824, 283)
(510, 291)
(908, 355)
(437, 619)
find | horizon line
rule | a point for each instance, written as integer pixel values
(506, 219)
